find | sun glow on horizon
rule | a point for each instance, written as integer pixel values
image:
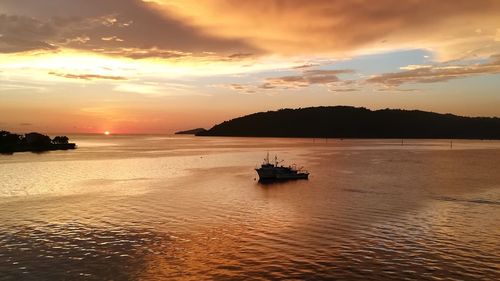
(107, 133)
(74, 61)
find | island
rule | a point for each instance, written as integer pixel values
(34, 142)
(191, 132)
(357, 122)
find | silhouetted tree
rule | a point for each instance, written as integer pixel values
(7, 138)
(37, 140)
(10, 143)
(60, 140)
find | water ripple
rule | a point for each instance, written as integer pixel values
(190, 210)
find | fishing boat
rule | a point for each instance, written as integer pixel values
(275, 171)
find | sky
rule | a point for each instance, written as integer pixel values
(158, 66)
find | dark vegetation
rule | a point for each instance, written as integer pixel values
(354, 122)
(36, 142)
(191, 132)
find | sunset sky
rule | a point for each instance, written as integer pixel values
(157, 66)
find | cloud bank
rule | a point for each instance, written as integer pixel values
(129, 28)
(437, 73)
(448, 27)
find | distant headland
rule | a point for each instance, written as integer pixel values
(35, 142)
(357, 122)
(191, 132)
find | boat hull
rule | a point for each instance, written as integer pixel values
(297, 176)
(273, 174)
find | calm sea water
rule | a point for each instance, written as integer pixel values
(186, 208)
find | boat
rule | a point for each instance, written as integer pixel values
(273, 171)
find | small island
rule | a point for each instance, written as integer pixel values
(357, 122)
(191, 132)
(34, 142)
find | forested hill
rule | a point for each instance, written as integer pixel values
(354, 122)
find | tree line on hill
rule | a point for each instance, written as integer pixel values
(357, 122)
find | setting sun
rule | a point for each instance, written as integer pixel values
(106, 133)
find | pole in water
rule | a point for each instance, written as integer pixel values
(451, 144)
(401, 141)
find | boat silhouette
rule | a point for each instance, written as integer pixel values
(273, 171)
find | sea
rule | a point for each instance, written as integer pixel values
(161, 207)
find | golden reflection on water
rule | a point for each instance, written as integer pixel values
(152, 207)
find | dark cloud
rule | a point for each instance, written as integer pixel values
(305, 66)
(397, 90)
(113, 27)
(437, 73)
(342, 90)
(87, 76)
(240, 55)
(19, 34)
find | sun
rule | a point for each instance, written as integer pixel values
(106, 133)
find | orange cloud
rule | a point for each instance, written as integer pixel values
(344, 27)
(307, 78)
(238, 29)
(439, 73)
(87, 76)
